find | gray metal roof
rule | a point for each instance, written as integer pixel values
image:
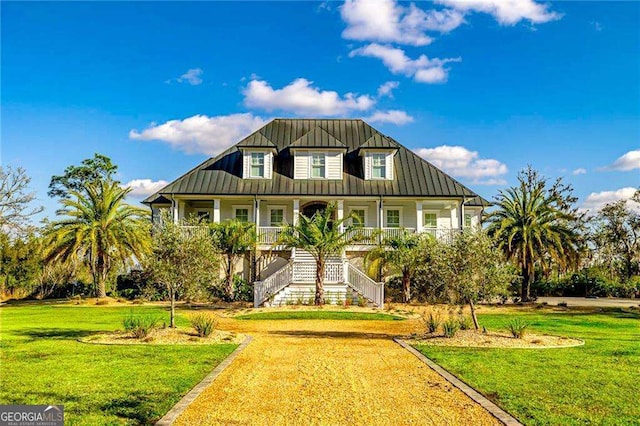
(317, 138)
(222, 175)
(379, 141)
(478, 201)
(256, 140)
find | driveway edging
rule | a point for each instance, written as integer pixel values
(186, 400)
(492, 408)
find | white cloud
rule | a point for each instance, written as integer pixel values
(506, 12)
(579, 171)
(596, 200)
(461, 162)
(629, 161)
(200, 133)
(301, 98)
(143, 187)
(192, 76)
(423, 69)
(392, 116)
(386, 89)
(387, 21)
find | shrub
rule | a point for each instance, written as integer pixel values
(450, 328)
(203, 323)
(348, 301)
(362, 302)
(465, 322)
(433, 322)
(517, 328)
(139, 325)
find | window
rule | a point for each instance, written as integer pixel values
(317, 166)
(358, 217)
(379, 166)
(393, 218)
(430, 220)
(276, 217)
(467, 220)
(257, 164)
(242, 214)
(203, 216)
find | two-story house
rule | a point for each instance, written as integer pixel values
(296, 166)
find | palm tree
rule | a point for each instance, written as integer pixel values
(533, 222)
(100, 229)
(233, 239)
(397, 255)
(322, 236)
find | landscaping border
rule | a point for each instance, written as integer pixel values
(186, 400)
(492, 408)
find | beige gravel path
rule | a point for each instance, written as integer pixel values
(321, 372)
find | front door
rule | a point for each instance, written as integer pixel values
(313, 207)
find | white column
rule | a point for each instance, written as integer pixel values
(174, 210)
(216, 210)
(454, 217)
(296, 210)
(341, 213)
(419, 216)
(461, 218)
(256, 213)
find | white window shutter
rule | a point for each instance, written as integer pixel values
(389, 166)
(246, 165)
(268, 165)
(301, 165)
(333, 161)
(367, 166)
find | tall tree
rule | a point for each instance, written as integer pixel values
(75, 178)
(321, 236)
(233, 239)
(536, 220)
(15, 200)
(101, 229)
(182, 261)
(616, 236)
(398, 255)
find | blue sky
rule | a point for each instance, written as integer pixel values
(481, 89)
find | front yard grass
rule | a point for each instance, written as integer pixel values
(319, 315)
(597, 383)
(43, 363)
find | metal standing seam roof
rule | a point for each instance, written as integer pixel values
(317, 138)
(222, 175)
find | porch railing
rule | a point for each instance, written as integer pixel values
(262, 290)
(269, 234)
(365, 286)
(396, 232)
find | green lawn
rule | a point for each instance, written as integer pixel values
(319, 315)
(43, 363)
(598, 383)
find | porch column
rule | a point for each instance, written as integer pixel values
(461, 218)
(341, 213)
(419, 216)
(296, 210)
(454, 219)
(216, 210)
(174, 210)
(379, 220)
(256, 213)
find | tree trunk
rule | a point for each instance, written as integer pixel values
(406, 288)
(528, 275)
(172, 297)
(319, 300)
(229, 279)
(473, 315)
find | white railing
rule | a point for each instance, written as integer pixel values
(305, 272)
(367, 235)
(396, 232)
(262, 290)
(269, 234)
(442, 234)
(364, 285)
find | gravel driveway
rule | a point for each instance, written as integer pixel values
(330, 372)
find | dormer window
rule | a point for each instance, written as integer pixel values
(318, 165)
(379, 166)
(257, 164)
